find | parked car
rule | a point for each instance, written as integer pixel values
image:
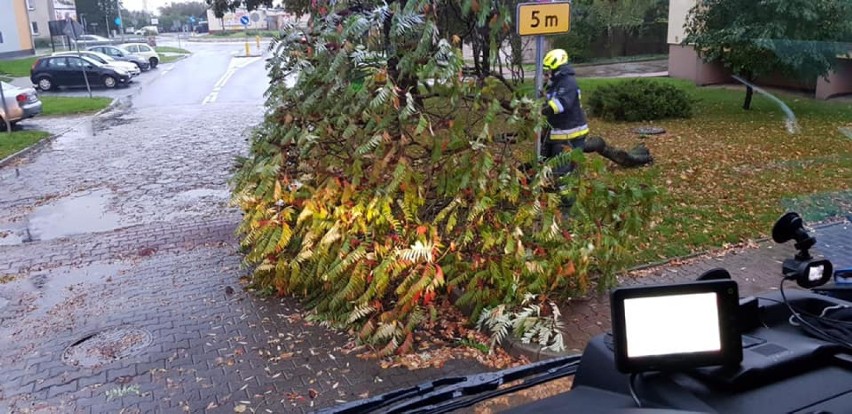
(67, 71)
(103, 59)
(119, 53)
(21, 103)
(147, 31)
(91, 40)
(144, 51)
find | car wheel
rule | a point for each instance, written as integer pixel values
(154, 62)
(109, 81)
(45, 84)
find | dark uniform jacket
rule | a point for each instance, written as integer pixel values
(564, 114)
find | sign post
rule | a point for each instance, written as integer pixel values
(539, 19)
(255, 17)
(245, 22)
(71, 30)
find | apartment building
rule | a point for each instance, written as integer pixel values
(43, 11)
(15, 37)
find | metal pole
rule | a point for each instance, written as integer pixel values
(120, 20)
(248, 52)
(77, 45)
(539, 75)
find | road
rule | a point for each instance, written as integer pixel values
(120, 277)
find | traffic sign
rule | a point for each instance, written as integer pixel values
(244, 20)
(118, 21)
(192, 19)
(544, 18)
(255, 17)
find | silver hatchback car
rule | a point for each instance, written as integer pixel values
(21, 103)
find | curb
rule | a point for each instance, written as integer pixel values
(41, 144)
(231, 40)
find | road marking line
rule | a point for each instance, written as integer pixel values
(233, 66)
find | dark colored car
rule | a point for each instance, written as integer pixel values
(67, 71)
(118, 53)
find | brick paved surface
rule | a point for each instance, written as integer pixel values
(165, 262)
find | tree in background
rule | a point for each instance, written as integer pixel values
(628, 16)
(611, 26)
(799, 39)
(99, 15)
(220, 7)
(174, 15)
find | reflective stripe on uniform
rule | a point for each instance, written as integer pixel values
(566, 134)
(556, 105)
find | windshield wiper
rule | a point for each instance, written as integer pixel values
(452, 393)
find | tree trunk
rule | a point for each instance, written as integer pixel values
(749, 94)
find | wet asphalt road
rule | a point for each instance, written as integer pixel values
(117, 241)
(191, 80)
(164, 154)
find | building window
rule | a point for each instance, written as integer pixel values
(1, 37)
(34, 28)
(30, 5)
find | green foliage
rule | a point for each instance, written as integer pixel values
(538, 323)
(639, 100)
(596, 23)
(375, 186)
(798, 38)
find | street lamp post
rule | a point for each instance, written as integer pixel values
(120, 20)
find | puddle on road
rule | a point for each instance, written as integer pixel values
(12, 236)
(56, 286)
(76, 214)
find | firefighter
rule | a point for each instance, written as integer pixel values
(568, 125)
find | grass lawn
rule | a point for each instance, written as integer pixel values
(171, 58)
(170, 49)
(10, 144)
(17, 67)
(728, 173)
(63, 105)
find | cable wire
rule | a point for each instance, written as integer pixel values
(798, 315)
(632, 387)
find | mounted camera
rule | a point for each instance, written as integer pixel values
(803, 268)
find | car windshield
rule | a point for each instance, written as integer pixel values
(91, 61)
(103, 56)
(445, 184)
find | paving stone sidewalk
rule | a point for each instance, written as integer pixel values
(756, 269)
(121, 227)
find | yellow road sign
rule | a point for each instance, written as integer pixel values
(543, 18)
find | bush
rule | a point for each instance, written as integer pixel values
(639, 100)
(374, 203)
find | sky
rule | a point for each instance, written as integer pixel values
(153, 5)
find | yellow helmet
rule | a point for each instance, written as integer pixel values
(555, 58)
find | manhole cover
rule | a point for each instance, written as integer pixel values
(106, 346)
(649, 131)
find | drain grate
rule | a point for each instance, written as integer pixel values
(106, 346)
